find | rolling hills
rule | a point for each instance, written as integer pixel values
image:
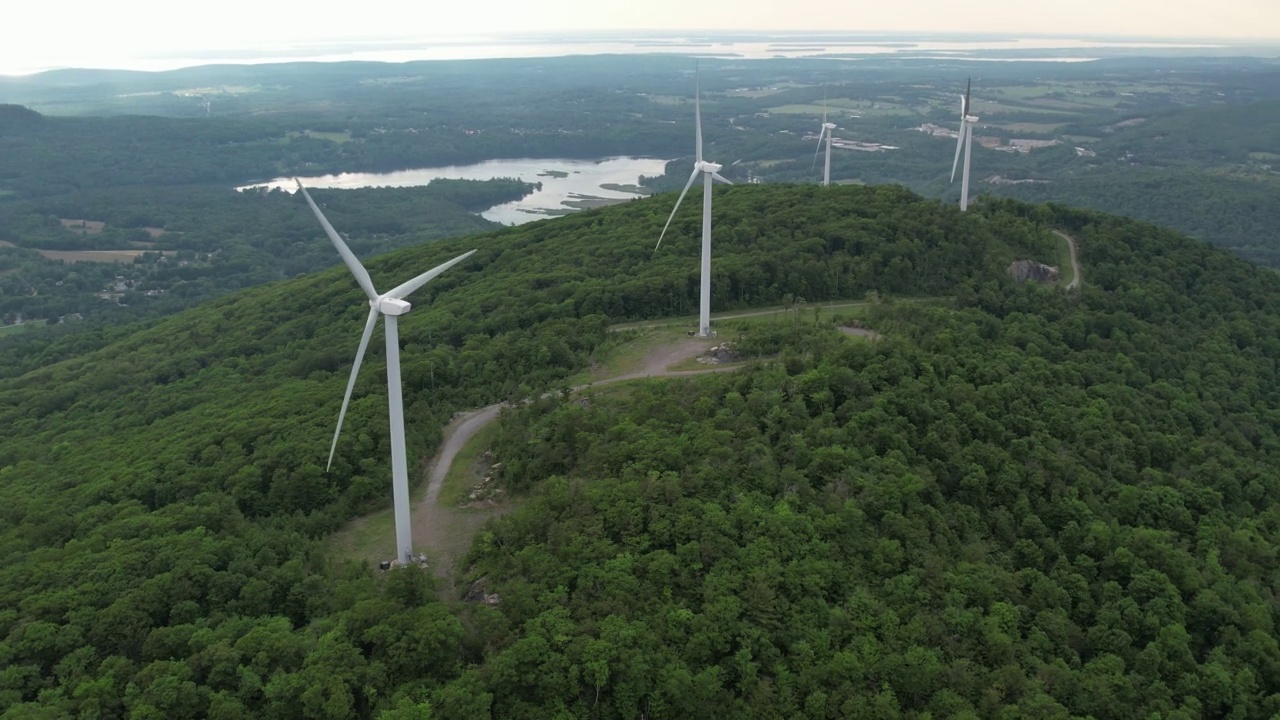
(1021, 502)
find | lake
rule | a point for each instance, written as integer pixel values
(567, 185)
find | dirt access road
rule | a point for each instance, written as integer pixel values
(444, 531)
(1075, 264)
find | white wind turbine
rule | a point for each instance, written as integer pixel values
(710, 171)
(391, 305)
(826, 130)
(965, 141)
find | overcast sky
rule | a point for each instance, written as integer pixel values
(62, 32)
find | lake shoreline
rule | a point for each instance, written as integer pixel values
(567, 185)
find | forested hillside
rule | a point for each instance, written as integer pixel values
(180, 246)
(1022, 501)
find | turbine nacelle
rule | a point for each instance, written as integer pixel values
(707, 167)
(828, 126)
(971, 118)
(393, 306)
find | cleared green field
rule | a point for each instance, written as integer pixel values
(334, 137)
(666, 99)
(1023, 92)
(1030, 127)
(834, 108)
(12, 329)
(1077, 103)
(764, 91)
(989, 107)
(767, 313)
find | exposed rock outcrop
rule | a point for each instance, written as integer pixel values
(1024, 270)
(723, 353)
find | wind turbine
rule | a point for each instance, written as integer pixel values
(709, 171)
(826, 130)
(391, 305)
(965, 140)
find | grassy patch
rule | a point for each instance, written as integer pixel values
(1066, 273)
(1024, 92)
(692, 320)
(835, 106)
(759, 92)
(1030, 127)
(83, 227)
(334, 137)
(1264, 156)
(370, 537)
(987, 107)
(466, 469)
(96, 256)
(625, 350)
(665, 99)
(11, 329)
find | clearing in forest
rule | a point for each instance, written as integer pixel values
(445, 519)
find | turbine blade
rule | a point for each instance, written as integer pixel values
(959, 145)
(696, 169)
(824, 107)
(697, 115)
(716, 176)
(402, 291)
(968, 87)
(362, 275)
(818, 149)
(351, 382)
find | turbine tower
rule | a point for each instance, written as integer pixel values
(965, 141)
(709, 171)
(391, 305)
(825, 130)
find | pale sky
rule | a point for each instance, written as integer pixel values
(48, 33)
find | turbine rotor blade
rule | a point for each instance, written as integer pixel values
(968, 87)
(351, 382)
(818, 149)
(697, 115)
(402, 290)
(716, 176)
(696, 169)
(362, 275)
(959, 145)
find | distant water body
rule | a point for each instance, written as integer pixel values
(567, 185)
(789, 45)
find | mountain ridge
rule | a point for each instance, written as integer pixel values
(161, 507)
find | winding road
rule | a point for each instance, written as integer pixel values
(1075, 264)
(444, 531)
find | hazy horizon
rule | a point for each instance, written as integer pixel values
(972, 45)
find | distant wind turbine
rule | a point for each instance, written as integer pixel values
(391, 305)
(826, 130)
(710, 171)
(965, 141)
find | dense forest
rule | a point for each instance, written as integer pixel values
(1021, 502)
